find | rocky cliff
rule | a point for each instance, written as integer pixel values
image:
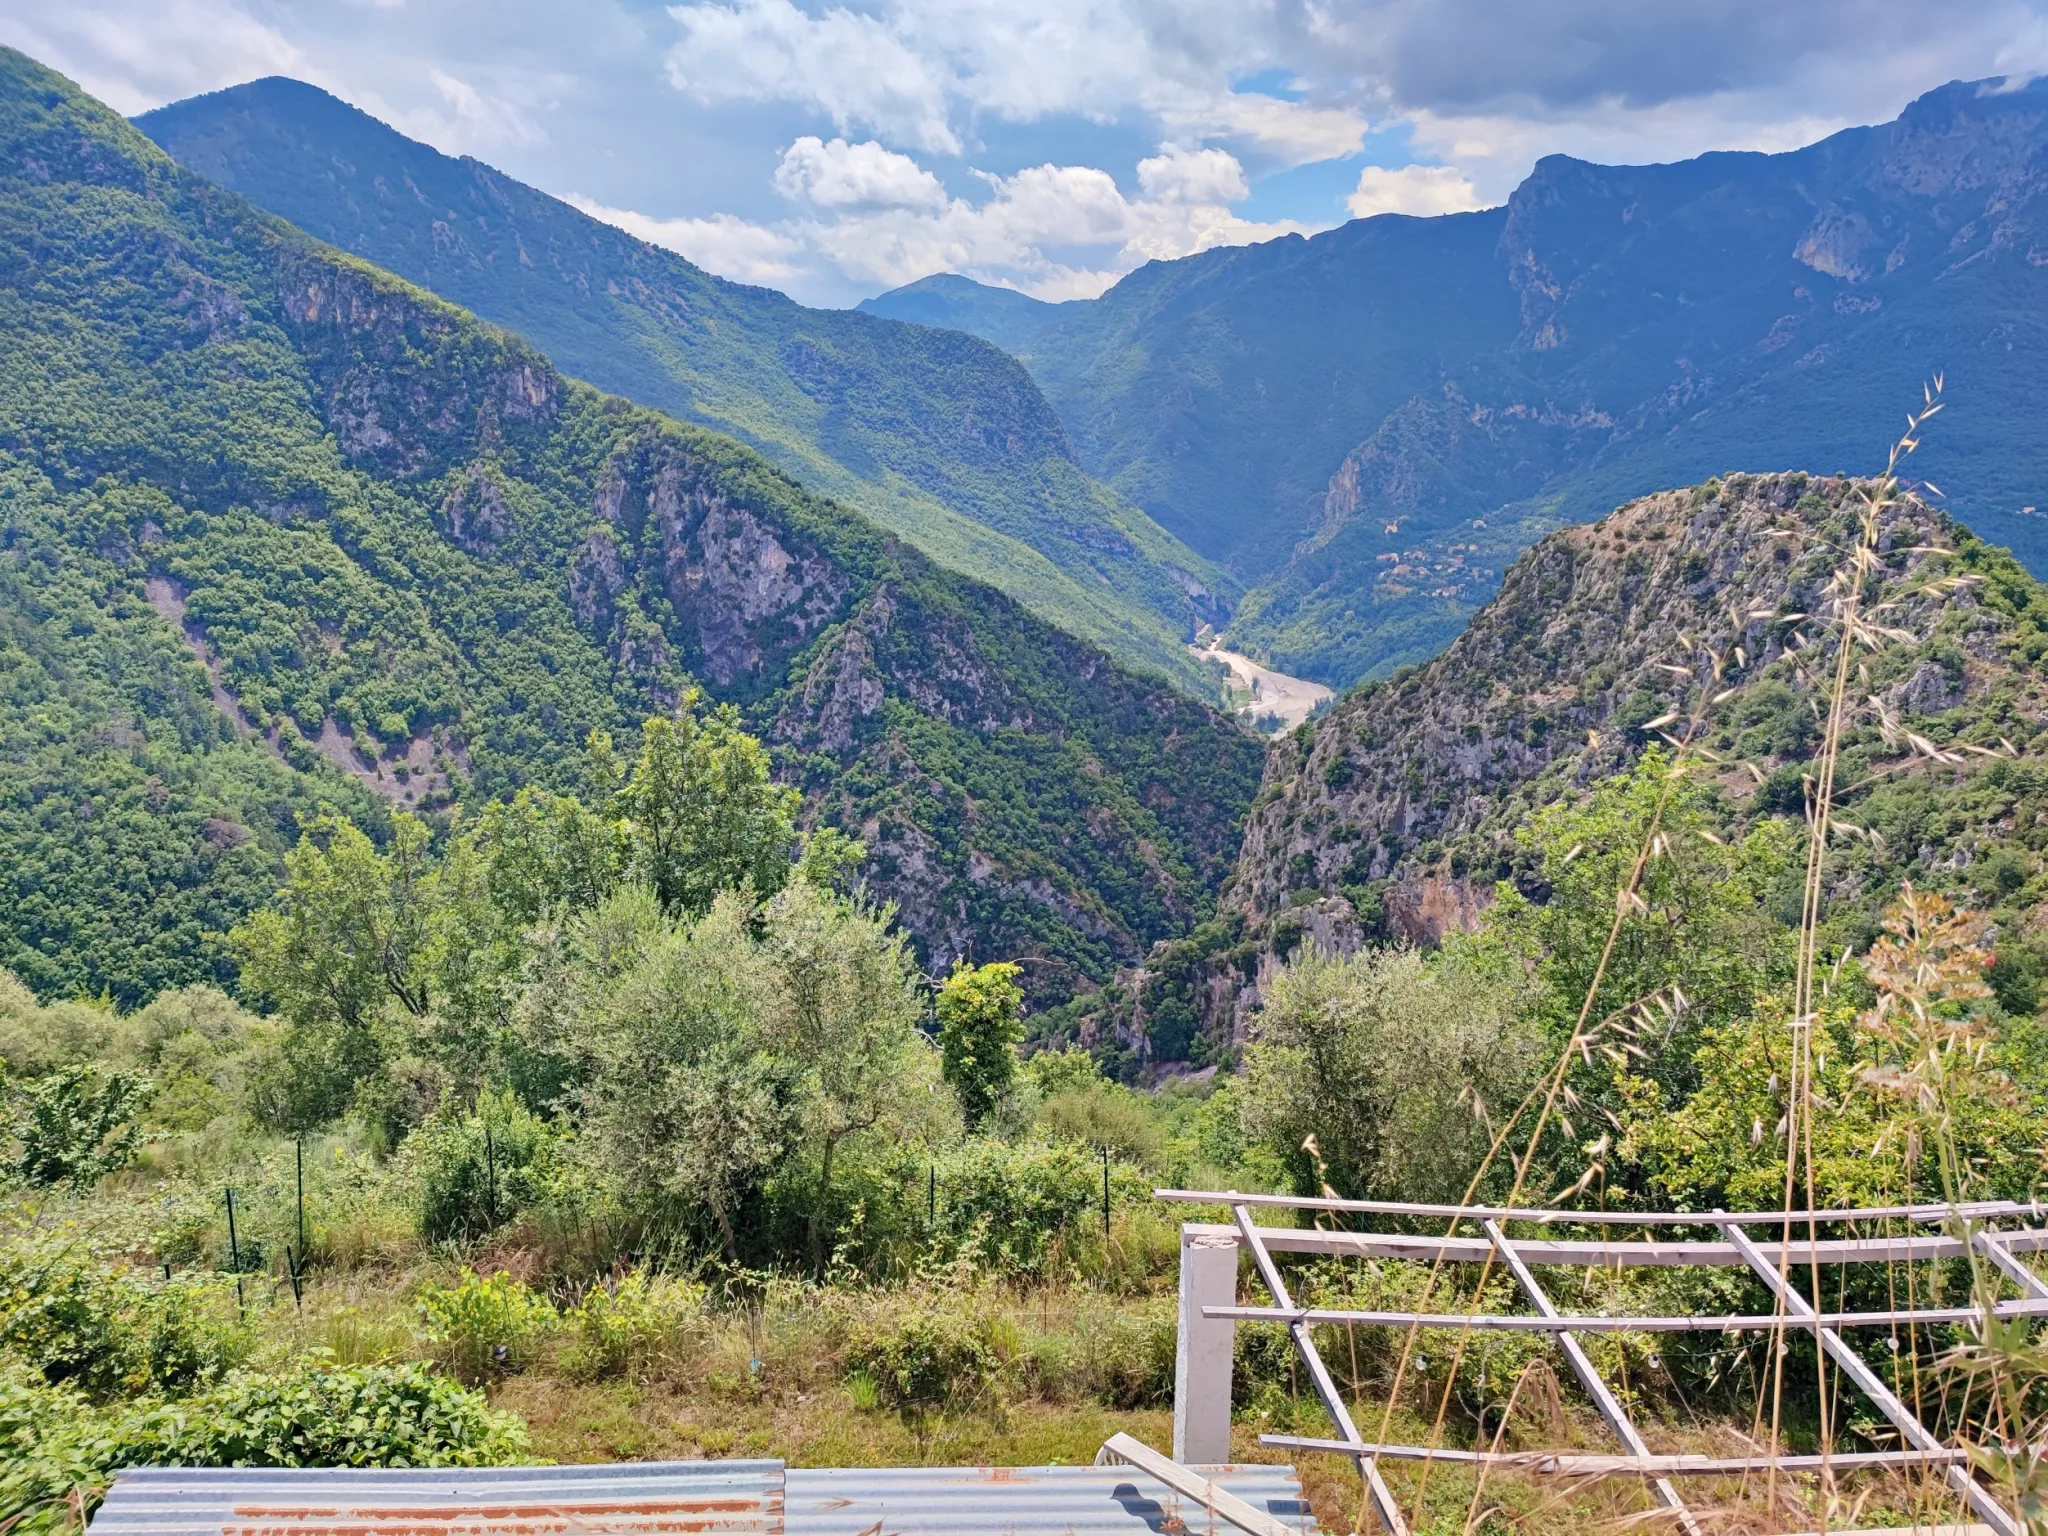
(1392, 818)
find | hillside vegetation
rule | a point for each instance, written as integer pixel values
(1368, 425)
(938, 437)
(1397, 815)
(420, 562)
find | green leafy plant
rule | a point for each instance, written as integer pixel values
(79, 1124)
(324, 1415)
(476, 1171)
(928, 1356)
(484, 1327)
(623, 1329)
(980, 1010)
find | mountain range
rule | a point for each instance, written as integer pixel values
(933, 434)
(279, 528)
(1367, 425)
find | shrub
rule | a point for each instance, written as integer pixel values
(327, 1415)
(484, 1327)
(105, 1330)
(623, 1329)
(473, 1172)
(78, 1124)
(1007, 1205)
(927, 1356)
(1103, 1114)
(54, 1450)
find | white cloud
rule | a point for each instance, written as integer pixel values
(850, 66)
(1417, 189)
(865, 175)
(1056, 231)
(137, 56)
(878, 218)
(1177, 175)
(729, 246)
(466, 121)
(920, 73)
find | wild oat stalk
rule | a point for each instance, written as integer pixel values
(1853, 617)
(1682, 731)
(1932, 1047)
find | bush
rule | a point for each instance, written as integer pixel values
(927, 1356)
(327, 1415)
(485, 1328)
(53, 1449)
(78, 1124)
(623, 1329)
(1008, 1205)
(103, 1329)
(1103, 1114)
(474, 1172)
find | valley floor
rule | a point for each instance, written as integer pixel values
(1274, 695)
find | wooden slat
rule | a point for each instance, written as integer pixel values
(1993, 1248)
(1218, 1500)
(1577, 1464)
(1851, 1364)
(1596, 1388)
(1925, 1214)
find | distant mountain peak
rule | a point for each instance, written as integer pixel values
(1003, 316)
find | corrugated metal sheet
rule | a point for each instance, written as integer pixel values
(673, 1498)
(683, 1498)
(1025, 1501)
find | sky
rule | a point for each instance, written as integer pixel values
(835, 150)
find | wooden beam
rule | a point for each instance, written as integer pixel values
(1577, 1464)
(1189, 1484)
(1499, 1322)
(1582, 1367)
(1926, 1214)
(1992, 1246)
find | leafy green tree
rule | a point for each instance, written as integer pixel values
(846, 1009)
(981, 1019)
(702, 812)
(547, 852)
(79, 1124)
(1704, 936)
(688, 1100)
(1394, 1064)
(350, 930)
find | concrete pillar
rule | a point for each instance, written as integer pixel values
(1202, 1359)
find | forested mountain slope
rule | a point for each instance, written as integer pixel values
(1001, 315)
(1369, 424)
(419, 561)
(1394, 817)
(938, 436)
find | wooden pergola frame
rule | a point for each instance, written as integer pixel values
(1209, 1313)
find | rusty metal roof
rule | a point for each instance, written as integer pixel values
(674, 1498)
(682, 1498)
(1025, 1501)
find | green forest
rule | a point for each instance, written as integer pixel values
(934, 434)
(416, 560)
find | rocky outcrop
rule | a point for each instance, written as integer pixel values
(412, 384)
(1394, 817)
